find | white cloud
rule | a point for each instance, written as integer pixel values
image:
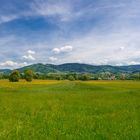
(30, 52)
(53, 59)
(67, 48)
(12, 64)
(29, 56)
(9, 63)
(64, 49)
(56, 50)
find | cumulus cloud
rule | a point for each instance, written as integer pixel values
(29, 56)
(56, 50)
(64, 49)
(53, 59)
(30, 52)
(9, 64)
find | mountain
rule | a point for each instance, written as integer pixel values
(79, 68)
(41, 68)
(76, 67)
(5, 71)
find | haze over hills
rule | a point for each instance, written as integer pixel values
(77, 67)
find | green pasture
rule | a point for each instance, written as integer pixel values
(70, 110)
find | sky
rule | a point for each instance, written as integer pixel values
(97, 32)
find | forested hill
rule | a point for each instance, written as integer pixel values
(79, 68)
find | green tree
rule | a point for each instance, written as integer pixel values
(71, 78)
(84, 77)
(28, 75)
(14, 76)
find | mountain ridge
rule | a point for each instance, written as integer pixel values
(76, 67)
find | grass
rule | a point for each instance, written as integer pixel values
(94, 110)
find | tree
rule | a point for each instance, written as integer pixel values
(71, 78)
(14, 76)
(84, 77)
(28, 75)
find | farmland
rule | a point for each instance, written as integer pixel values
(70, 110)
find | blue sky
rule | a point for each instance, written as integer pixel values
(98, 32)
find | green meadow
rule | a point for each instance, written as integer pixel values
(70, 110)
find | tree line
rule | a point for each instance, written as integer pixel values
(29, 75)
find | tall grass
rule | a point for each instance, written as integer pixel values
(41, 110)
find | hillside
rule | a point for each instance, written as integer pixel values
(79, 68)
(5, 71)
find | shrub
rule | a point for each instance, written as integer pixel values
(14, 76)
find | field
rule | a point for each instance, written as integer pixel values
(95, 110)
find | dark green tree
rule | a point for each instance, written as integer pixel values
(14, 76)
(28, 75)
(84, 77)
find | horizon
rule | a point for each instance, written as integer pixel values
(94, 32)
